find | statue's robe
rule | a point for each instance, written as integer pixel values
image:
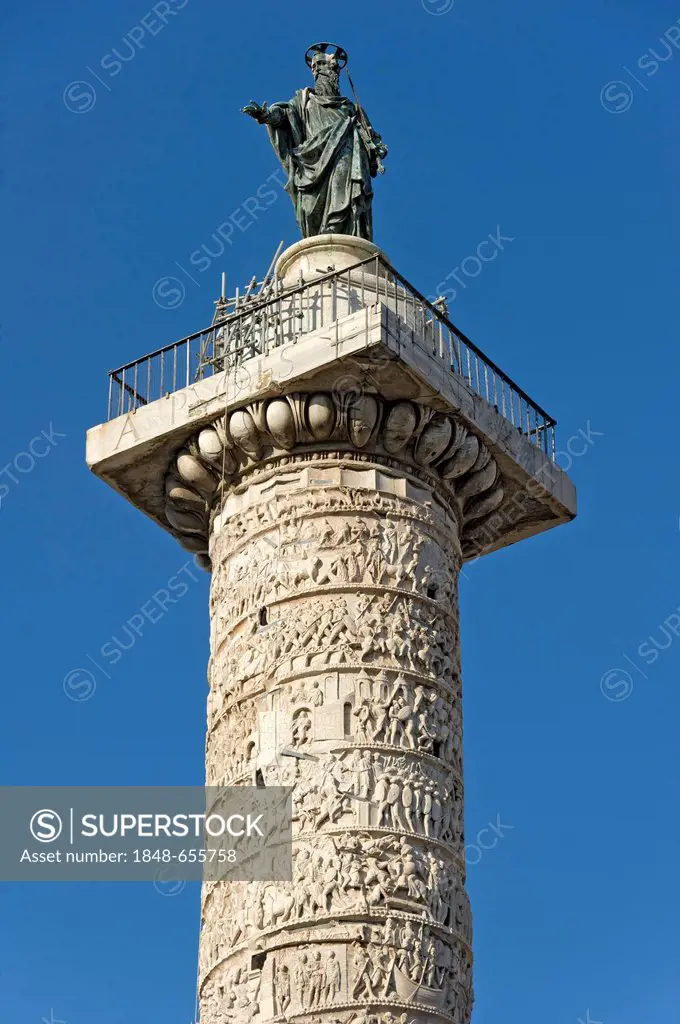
(320, 145)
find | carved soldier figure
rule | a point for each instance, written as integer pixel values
(333, 978)
(363, 712)
(382, 787)
(426, 735)
(316, 695)
(302, 980)
(282, 988)
(361, 964)
(362, 769)
(396, 717)
(436, 815)
(394, 802)
(333, 801)
(382, 962)
(301, 727)
(351, 873)
(428, 790)
(316, 980)
(331, 882)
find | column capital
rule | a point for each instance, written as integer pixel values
(261, 437)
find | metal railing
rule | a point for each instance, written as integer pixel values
(259, 325)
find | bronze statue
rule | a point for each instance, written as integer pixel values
(328, 149)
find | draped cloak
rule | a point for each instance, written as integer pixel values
(318, 142)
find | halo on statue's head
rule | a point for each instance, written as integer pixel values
(325, 51)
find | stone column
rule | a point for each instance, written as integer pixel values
(335, 552)
(351, 451)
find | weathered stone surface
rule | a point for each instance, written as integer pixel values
(335, 669)
(315, 256)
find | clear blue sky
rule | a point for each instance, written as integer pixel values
(496, 116)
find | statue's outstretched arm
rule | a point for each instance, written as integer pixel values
(263, 114)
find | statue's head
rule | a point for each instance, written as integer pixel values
(326, 61)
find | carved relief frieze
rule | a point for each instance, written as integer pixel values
(395, 957)
(335, 670)
(332, 552)
(379, 790)
(361, 629)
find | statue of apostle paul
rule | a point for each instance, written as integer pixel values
(328, 149)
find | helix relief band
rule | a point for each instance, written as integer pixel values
(335, 670)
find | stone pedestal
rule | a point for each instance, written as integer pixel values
(313, 257)
(334, 286)
(336, 521)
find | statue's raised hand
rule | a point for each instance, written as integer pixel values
(258, 111)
